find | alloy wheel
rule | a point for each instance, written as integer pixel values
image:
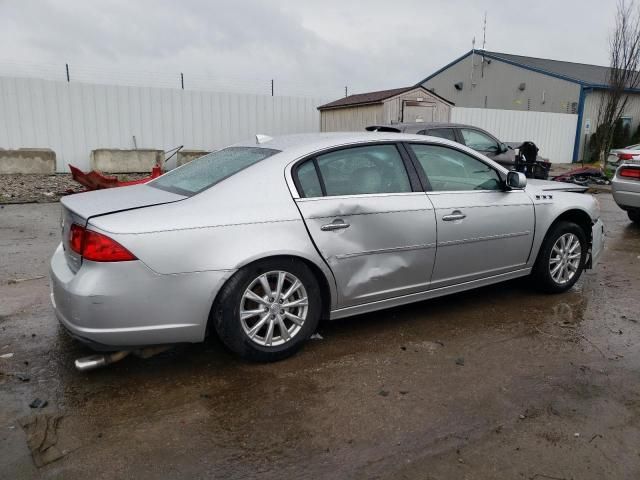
(273, 308)
(565, 258)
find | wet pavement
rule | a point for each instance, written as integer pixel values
(501, 382)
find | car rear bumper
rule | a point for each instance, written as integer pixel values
(125, 304)
(626, 193)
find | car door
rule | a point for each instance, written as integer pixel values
(483, 229)
(368, 217)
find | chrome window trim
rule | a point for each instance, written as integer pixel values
(440, 142)
(360, 195)
(445, 192)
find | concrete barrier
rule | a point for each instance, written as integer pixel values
(185, 156)
(125, 161)
(28, 160)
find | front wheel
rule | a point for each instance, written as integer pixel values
(561, 258)
(267, 310)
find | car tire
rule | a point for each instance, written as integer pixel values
(557, 267)
(634, 216)
(282, 332)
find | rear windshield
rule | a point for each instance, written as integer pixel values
(206, 171)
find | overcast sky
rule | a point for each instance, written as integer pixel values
(307, 46)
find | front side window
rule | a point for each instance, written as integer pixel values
(478, 140)
(448, 169)
(363, 170)
(206, 171)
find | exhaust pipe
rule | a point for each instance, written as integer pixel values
(100, 360)
(92, 362)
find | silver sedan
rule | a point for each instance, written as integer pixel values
(260, 241)
(625, 187)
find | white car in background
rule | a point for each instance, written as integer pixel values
(618, 156)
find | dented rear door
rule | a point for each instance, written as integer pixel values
(379, 245)
(386, 249)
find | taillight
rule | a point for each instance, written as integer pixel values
(76, 234)
(625, 156)
(97, 247)
(629, 173)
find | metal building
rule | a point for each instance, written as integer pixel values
(483, 79)
(409, 104)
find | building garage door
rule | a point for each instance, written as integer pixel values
(413, 111)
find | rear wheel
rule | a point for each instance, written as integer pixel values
(634, 215)
(267, 310)
(561, 258)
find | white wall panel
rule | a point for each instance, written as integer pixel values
(74, 118)
(553, 133)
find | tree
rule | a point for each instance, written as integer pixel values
(623, 75)
(621, 136)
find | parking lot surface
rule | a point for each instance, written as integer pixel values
(501, 382)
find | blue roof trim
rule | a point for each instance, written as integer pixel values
(420, 84)
(606, 87)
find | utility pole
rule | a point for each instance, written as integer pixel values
(346, 91)
(67, 67)
(484, 43)
(272, 87)
(182, 80)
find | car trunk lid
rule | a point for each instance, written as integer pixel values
(80, 208)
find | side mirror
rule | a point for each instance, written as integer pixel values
(516, 180)
(503, 148)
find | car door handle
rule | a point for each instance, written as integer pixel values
(335, 225)
(455, 215)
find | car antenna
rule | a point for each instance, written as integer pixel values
(262, 138)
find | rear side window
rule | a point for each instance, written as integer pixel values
(355, 171)
(447, 133)
(309, 181)
(206, 171)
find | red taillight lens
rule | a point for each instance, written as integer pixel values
(97, 247)
(76, 234)
(630, 173)
(625, 156)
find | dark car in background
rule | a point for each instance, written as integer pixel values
(473, 137)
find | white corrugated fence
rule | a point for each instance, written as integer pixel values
(74, 118)
(553, 133)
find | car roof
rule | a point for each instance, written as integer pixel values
(412, 127)
(318, 141)
(296, 146)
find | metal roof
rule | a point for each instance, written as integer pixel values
(374, 97)
(581, 73)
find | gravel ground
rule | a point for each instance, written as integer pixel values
(33, 188)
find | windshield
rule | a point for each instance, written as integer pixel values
(206, 171)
